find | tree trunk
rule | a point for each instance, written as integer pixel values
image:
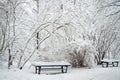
(9, 59)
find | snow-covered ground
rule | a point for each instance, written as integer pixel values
(98, 73)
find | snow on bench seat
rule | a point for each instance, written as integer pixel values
(49, 63)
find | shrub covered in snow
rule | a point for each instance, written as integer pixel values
(79, 54)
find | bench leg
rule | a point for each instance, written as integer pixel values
(117, 64)
(102, 64)
(36, 69)
(39, 70)
(113, 63)
(62, 69)
(107, 64)
(66, 69)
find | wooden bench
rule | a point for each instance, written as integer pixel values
(46, 65)
(107, 62)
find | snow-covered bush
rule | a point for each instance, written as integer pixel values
(79, 54)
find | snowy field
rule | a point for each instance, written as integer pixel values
(98, 73)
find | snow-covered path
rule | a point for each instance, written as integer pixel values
(110, 73)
